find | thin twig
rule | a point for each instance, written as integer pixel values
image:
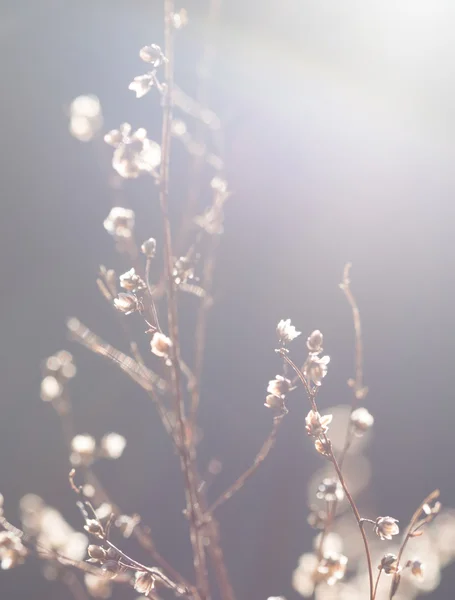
(377, 583)
(356, 514)
(260, 457)
(410, 530)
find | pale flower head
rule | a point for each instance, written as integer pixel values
(144, 582)
(315, 368)
(134, 152)
(149, 248)
(131, 281)
(389, 564)
(126, 303)
(386, 527)
(332, 568)
(86, 118)
(120, 222)
(51, 389)
(12, 551)
(83, 449)
(314, 342)
(113, 445)
(152, 54)
(279, 386)
(160, 344)
(317, 425)
(305, 575)
(361, 421)
(142, 84)
(286, 332)
(98, 586)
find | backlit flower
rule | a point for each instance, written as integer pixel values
(317, 425)
(314, 342)
(330, 490)
(142, 84)
(152, 54)
(386, 527)
(134, 152)
(286, 332)
(120, 222)
(361, 421)
(315, 368)
(279, 386)
(389, 564)
(160, 344)
(126, 303)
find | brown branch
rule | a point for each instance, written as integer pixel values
(199, 558)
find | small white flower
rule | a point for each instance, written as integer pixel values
(361, 421)
(126, 303)
(131, 281)
(51, 389)
(113, 445)
(142, 84)
(144, 582)
(332, 568)
(317, 425)
(149, 248)
(160, 344)
(279, 386)
(386, 527)
(152, 54)
(315, 368)
(134, 152)
(98, 586)
(180, 19)
(120, 222)
(286, 332)
(84, 445)
(314, 342)
(389, 564)
(86, 118)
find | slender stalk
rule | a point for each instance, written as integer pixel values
(357, 517)
(377, 583)
(412, 528)
(260, 457)
(190, 487)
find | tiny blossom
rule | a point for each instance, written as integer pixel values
(127, 524)
(144, 582)
(134, 152)
(93, 527)
(97, 553)
(51, 389)
(113, 445)
(211, 220)
(180, 19)
(103, 511)
(160, 344)
(361, 421)
(12, 551)
(389, 564)
(432, 510)
(305, 575)
(142, 84)
(152, 54)
(322, 447)
(333, 567)
(126, 303)
(272, 401)
(317, 425)
(183, 270)
(131, 281)
(83, 444)
(416, 567)
(149, 248)
(86, 118)
(314, 342)
(315, 368)
(178, 128)
(286, 332)
(279, 386)
(218, 184)
(330, 490)
(386, 527)
(120, 222)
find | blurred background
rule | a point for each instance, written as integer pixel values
(339, 146)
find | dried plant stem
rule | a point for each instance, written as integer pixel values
(409, 531)
(345, 286)
(357, 517)
(377, 583)
(199, 558)
(260, 457)
(310, 392)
